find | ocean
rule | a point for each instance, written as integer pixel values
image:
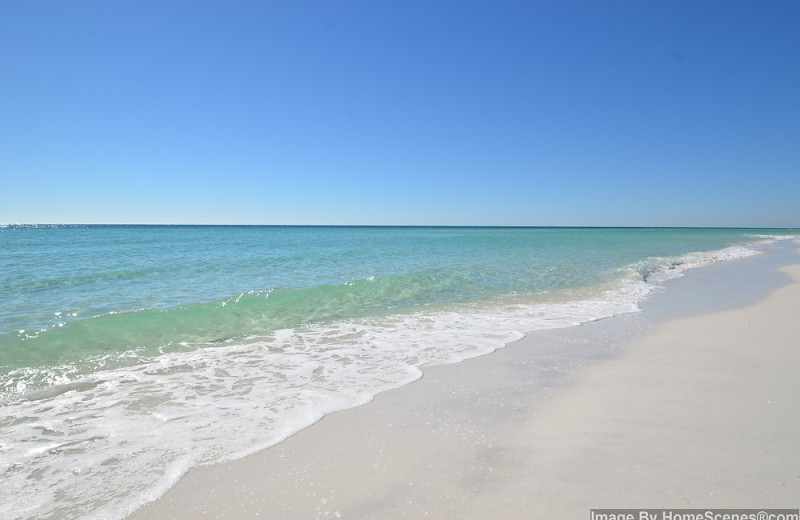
(129, 354)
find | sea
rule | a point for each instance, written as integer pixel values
(130, 354)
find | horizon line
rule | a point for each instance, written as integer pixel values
(522, 226)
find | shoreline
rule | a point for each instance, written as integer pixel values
(496, 435)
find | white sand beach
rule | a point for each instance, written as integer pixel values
(697, 411)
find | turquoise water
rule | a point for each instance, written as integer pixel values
(145, 350)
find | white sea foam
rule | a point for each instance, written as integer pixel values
(99, 448)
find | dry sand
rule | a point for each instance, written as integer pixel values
(699, 411)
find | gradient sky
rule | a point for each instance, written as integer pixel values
(550, 112)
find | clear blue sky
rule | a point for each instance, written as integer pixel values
(550, 112)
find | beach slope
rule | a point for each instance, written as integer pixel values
(701, 413)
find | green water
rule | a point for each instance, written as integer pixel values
(87, 290)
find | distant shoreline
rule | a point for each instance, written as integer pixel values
(410, 226)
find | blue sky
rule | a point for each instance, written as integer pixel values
(549, 112)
